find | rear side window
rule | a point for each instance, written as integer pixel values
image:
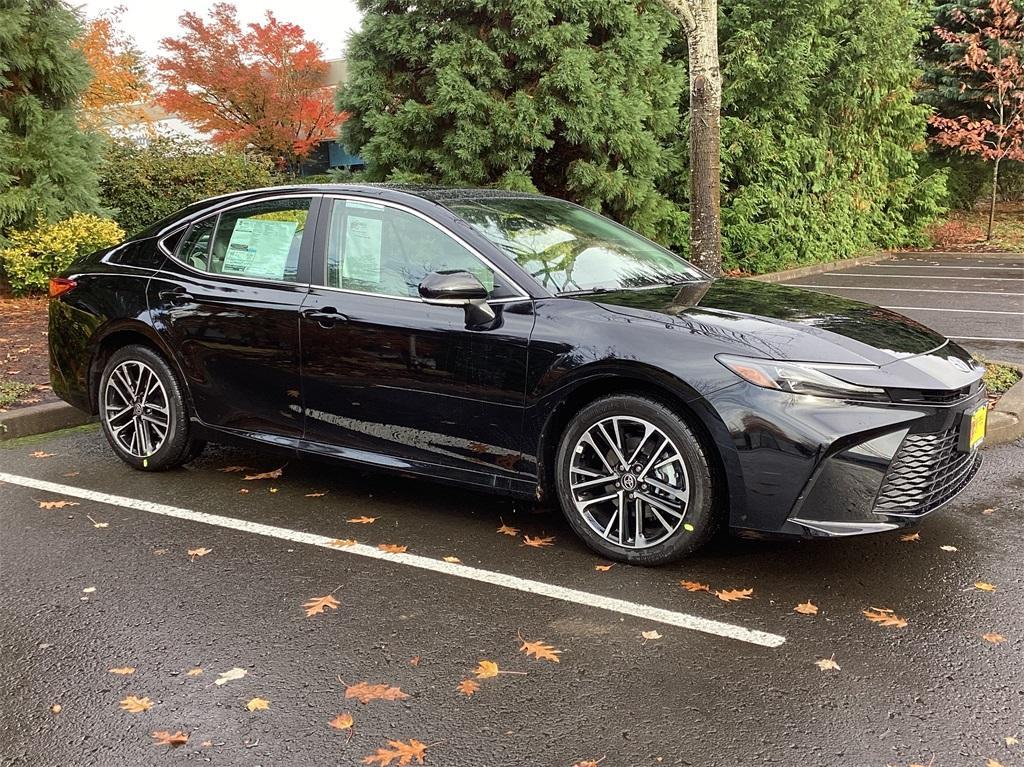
(194, 248)
(261, 240)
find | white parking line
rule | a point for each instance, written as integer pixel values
(943, 309)
(907, 290)
(986, 338)
(941, 266)
(920, 277)
(504, 580)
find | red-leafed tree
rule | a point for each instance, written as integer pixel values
(990, 60)
(261, 86)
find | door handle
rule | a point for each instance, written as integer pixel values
(326, 316)
(175, 295)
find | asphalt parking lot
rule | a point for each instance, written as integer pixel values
(109, 583)
(975, 299)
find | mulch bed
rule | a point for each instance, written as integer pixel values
(23, 349)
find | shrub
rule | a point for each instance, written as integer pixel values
(34, 255)
(142, 184)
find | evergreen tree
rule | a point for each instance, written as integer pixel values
(572, 99)
(47, 164)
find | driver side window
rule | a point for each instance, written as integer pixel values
(374, 248)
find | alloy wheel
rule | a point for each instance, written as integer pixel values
(629, 482)
(136, 409)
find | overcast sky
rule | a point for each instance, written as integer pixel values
(148, 21)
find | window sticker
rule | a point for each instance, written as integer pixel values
(362, 249)
(259, 248)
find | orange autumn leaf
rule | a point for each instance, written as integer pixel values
(56, 504)
(538, 542)
(236, 469)
(539, 650)
(42, 454)
(164, 738)
(467, 687)
(486, 669)
(590, 762)
(993, 637)
(317, 605)
(122, 670)
(364, 692)
(258, 704)
(452, 560)
(694, 586)
(806, 608)
(403, 752)
(911, 537)
(200, 552)
(508, 530)
(342, 543)
(733, 595)
(392, 548)
(135, 705)
(982, 586)
(604, 568)
(362, 520)
(275, 474)
(342, 721)
(885, 617)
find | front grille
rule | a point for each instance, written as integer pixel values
(928, 470)
(935, 396)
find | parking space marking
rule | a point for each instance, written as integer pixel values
(943, 309)
(942, 266)
(986, 338)
(907, 290)
(504, 580)
(920, 277)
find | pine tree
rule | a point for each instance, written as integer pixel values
(47, 163)
(572, 99)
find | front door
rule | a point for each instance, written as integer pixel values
(392, 380)
(228, 303)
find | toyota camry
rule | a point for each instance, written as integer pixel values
(521, 345)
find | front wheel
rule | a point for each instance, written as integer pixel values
(143, 411)
(634, 481)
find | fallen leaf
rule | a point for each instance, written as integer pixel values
(911, 537)
(236, 469)
(993, 763)
(403, 752)
(806, 608)
(364, 692)
(604, 568)
(56, 708)
(275, 474)
(136, 705)
(452, 560)
(1009, 740)
(827, 664)
(650, 635)
(71, 474)
(56, 504)
(467, 687)
(89, 590)
(414, 661)
(993, 637)
(194, 672)
(343, 542)
(258, 704)
(884, 617)
(592, 762)
(949, 548)
(230, 676)
(317, 605)
(342, 721)
(982, 586)
(538, 542)
(486, 669)
(200, 552)
(362, 520)
(733, 595)
(539, 650)
(694, 586)
(316, 495)
(392, 548)
(42, 454)
(164, 738)
(273, 489)
(95, 523)
(122, 670)
(243, 491)
(988, 511)
(508, 530)
(206, 744)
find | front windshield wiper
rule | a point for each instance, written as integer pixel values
(651, 286)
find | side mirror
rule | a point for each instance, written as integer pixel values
(457, 288)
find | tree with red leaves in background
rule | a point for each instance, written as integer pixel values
(259, 87)
(990, 60)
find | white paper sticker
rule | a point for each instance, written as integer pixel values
(362, 249)
(259, 248)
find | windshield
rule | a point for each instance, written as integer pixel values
(570, 249)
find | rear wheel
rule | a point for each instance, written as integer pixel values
(143, 411)
(634, 482)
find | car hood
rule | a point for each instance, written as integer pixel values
(780, 322)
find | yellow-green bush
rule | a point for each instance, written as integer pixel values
(34, 255)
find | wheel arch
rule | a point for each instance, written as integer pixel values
(117, 336)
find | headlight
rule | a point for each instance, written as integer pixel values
(799, 378)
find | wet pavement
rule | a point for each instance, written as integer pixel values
(933, 690)
(975, 299)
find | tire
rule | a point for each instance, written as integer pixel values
(677, 478)
(138, 392)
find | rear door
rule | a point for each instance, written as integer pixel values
(390, 379)
(228, 303)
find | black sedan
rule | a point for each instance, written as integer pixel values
(522, 345)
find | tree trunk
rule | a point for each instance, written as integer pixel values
(992, 202)
(700, 21)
